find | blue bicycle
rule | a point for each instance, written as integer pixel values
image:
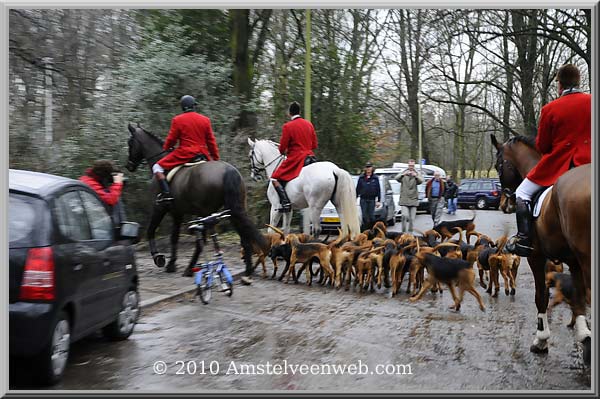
(206, 273)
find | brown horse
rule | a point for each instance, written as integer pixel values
(561, 232)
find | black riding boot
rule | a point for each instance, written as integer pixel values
(521, 243)
(165, 195)
(286, 205)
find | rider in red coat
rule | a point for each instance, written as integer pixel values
(195, 136)
(298, 140)
(564, 140)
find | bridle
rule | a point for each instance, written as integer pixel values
(256, 170)
(500, 168)
(150, 159)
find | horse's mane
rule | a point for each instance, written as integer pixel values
(528, 141)
(153, 136)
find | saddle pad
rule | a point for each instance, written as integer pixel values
(176, 168)
(537, 207)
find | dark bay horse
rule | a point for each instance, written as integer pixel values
(561, 232)
(198, 190)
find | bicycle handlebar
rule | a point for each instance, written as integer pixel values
(211, 220)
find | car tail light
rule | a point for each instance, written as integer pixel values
(494, 193)
(38, 277)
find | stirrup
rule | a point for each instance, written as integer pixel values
(515, 246)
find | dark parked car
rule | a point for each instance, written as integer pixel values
(481, 193)
(71, 271)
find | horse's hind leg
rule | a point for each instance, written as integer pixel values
(537, 263)
(171, 267)
(158, 213)
(578, 305)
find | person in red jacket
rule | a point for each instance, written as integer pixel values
(564, 140)
(108, 184)
(196, 138)
(298, 140)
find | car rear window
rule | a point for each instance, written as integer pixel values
(24, 220)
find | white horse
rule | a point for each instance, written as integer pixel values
(317, 183)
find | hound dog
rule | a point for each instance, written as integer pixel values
(449, 271)
(446, 228)
(564, 290)
(305, 252)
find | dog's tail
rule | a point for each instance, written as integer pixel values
(445, 244)
(474, 214)
(277, 230)
(501, 243)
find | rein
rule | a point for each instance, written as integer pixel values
(256, 170)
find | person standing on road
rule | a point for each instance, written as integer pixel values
(435, 190)
(451, 195)
(409, 194)
(369, 192)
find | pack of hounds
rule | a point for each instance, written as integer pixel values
(437, 257)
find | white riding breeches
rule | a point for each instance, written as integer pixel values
(157, 168)
(526, 189)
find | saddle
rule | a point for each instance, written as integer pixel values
(197, 160)
(538, 199)
(310, 159)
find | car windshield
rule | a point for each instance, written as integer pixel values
(21, 218)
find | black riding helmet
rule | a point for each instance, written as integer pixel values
(188, 103)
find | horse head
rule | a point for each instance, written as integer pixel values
(508, 174)
(263, 154)
(256, 162)
(143, 146)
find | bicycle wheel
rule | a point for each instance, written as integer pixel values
(226, 286)
(204, 289)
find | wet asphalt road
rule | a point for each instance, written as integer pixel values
(422, 346)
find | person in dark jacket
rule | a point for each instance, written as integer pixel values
(435, 189)
(451, 195)
(104, 179)
(369, 191)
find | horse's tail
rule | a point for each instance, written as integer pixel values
(235, 200)
(345, 200)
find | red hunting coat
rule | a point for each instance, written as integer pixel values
(195, 136)
(564, 137)
(298, 140)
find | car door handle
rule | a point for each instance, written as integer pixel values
(106, 262)
(78, 266)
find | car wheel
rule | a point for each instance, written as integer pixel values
(481, 203)
(129, 312)
(52, 361)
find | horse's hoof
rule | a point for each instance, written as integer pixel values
(171, 267)
(512, 291)
(160, 260)
(507, 292)
(587, 350)
(246, 280)
(537, 349)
